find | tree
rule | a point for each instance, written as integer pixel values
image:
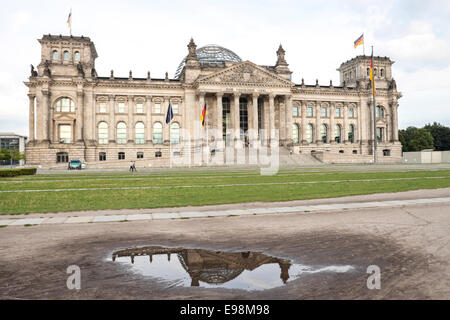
(11, 155)
(441, 136)
(405, 137)
(422, 139)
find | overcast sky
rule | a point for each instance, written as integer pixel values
(317, 36)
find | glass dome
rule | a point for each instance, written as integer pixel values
(211, 54)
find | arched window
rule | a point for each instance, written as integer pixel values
(157, 133)
(55, 55)
(295, 133)
(76, 56)
(121, 133)
(65, 105)
(380, 112)
(66, 55)
(351, 113)
(310, 133)
(324, 133)
(62, 157)
(174, 133)
(338, 133)
(103, 133)
(351, 133)
(139, 133)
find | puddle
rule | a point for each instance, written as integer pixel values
(216, 269)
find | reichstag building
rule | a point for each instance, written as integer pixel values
(75, 113)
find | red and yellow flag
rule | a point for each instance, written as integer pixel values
(374, 92)
(359, 41)
(203, 116)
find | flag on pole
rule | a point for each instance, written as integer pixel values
(359, 41)
(169, 115)
(374, 92)
(69, 21)
(203, 116)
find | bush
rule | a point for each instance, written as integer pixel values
(17, 172)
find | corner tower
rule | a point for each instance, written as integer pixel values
(356, 72)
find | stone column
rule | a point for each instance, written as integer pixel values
(281, 122)
(317, 126)
(332, 124)
(148, 118)
(80, 119)
(48, 121)
(236, 119)
(254, 137)
(304, 123)
(289, 119)
(271, 116)
(219, 118)
(395, 121)
(345, 129)
(201, 101)
(130, 125)
(31, 97)
(112, 122)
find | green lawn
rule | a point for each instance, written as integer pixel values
(193, 188)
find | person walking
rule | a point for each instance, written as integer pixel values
(131, 166)
(134, 166)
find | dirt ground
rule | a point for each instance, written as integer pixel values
(410, 244)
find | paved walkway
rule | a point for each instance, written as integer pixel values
(305, 209)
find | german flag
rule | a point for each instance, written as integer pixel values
(359, 41)
(203, 116)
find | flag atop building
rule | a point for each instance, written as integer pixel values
(69, 21)
(169, 115)
(203, 116)
(359, 41)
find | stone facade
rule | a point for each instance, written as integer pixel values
(74, 113)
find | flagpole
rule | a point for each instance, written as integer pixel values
(364, 46)
(375, 142)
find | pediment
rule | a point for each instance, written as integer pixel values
(246, 73)
(64, 117)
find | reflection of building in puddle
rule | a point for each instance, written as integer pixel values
(211, 267)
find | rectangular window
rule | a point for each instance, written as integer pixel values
(139, 107)
(121, 107)
(387, 153)
(140, 155)
(103, 108)
(121, 156)
(158, 154)
(324, 112)
(176, 108)
(295, 111)
(310, 112)
(338, 112)
(65, 133)
(380, 134)
(102, 156)
(157, 108)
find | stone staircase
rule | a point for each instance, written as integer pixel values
(297, 159)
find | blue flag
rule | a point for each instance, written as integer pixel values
(169, 116)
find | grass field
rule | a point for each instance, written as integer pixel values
(98, 191)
